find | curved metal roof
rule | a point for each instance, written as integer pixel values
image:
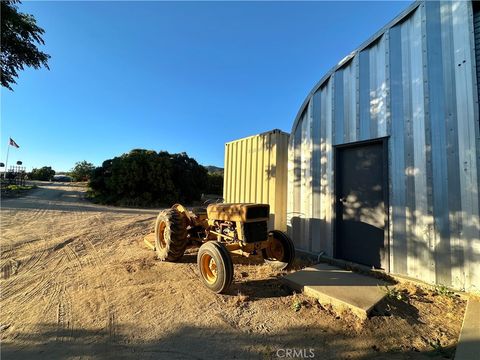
(350, 56)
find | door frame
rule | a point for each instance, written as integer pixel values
(386, 190)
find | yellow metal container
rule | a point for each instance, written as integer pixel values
(256, 172)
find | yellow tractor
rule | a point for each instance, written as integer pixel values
(220, 229)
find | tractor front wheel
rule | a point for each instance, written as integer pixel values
(170, 235)
(216, 266)
(280, 251)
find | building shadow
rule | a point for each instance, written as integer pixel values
(199, 343)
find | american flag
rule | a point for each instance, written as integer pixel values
(13, 143)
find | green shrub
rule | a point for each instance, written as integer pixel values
(45, 173)
(148, 178)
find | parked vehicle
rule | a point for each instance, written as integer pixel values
(221, 230)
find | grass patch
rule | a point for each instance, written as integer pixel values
(14, 190)
(19, 187)
(444, 291)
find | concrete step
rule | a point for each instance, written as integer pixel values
(341, 288)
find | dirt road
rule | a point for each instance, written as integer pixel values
(77, 282)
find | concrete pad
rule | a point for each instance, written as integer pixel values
(341, 288)
(468, 347)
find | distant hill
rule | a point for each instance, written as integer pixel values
(214, 169)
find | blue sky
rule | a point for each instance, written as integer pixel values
(175, 76)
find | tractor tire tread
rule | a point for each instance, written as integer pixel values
(175, 238)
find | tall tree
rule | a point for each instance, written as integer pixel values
(82, 171)
(45, 173)
(19, 39)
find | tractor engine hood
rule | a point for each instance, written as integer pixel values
(239, 212)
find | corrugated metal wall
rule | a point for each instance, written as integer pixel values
(476, 27)
(256, 171)
(414, 82)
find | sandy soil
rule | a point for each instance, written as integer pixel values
(77, 282)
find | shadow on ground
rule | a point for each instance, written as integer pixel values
(190, 342)
(62, 197)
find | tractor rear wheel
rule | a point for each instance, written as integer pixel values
(281, 252)
(216, 266)
(170, 235)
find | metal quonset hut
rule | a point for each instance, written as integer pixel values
(384, 152)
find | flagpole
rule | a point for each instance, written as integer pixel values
(6, 161)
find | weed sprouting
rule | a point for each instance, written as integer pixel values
(444, 291)
(393, 293)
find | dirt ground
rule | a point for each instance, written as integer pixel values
(77, 282)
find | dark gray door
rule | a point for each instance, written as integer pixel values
(360, 204)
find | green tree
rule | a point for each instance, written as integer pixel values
(139, 178)
(82, 171)
(149, 178)
(190, 178)
(19, 39)
(45, 173)
(215, 184)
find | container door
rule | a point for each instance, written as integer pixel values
(360, 183)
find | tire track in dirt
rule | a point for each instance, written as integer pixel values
(73, 262)
(73, 257)
(49, 291)
(31, 265)
(64, 331)
(68, 241)
(54, 289)
(58, 297)
(53, 294)
(51, 282)
(64, 316)
(17, 284)
(95, 260)
(12, 246)
(21, 214)
(9, 267)
(40, 286)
